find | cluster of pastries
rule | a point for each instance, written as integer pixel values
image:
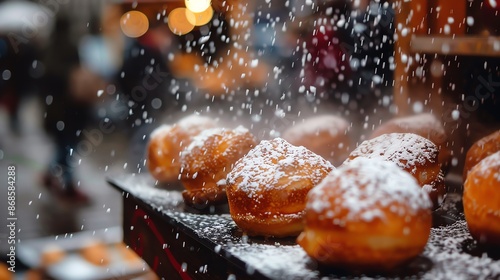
(206, 162)
(367, 215)
(481, 197)
(198, 153)
(372, 212)
(168, 141)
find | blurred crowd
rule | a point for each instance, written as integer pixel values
(85, 73)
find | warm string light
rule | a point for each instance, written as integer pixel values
(196, 13)
(134, 24)
(180, 20)
(197, 6)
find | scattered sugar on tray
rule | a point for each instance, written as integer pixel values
(400, 148)
(141, 187)
(451, 262)
(382, 183)
(269, 161)
(275, 262)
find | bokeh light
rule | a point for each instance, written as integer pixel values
(178, 22)
(197, 6)
(199, 19)
(134, 24)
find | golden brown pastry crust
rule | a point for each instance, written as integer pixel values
(480, 149)
(366, 215)
(414, 154)
(167, 142)
(326, 135)
(425, 125)
(267, 188)
(208, 159)
(481, 200)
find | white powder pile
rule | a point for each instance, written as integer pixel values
(445, 249)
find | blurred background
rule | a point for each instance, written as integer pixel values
(83, 83)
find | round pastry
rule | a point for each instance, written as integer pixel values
(326, 135)
(425, 125)
(5, 273)
(267, 188)
(50, 255)
(96, 253)
(167, 142)
(411, 152)
(207, 160)
(480, 149)
(367, 215)
(481, 200)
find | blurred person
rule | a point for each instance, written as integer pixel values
(326, 56)
(17, 77)
(145, 85)
(19, 50)
(69, 92)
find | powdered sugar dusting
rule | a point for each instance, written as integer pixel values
(326, 123)
(195, 121)
(200, 139)
(363, 186)
(425, 124)
(445, 249)
(407, 150)
(275, 261)
(160, 130)
(270, 161)
(488, 165)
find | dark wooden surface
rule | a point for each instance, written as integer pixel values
(209, 237)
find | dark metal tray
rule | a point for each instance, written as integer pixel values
(204, 243)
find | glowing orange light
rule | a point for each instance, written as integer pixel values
(200, 19)
(178, 22)
(197, 6)
(134, 24)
